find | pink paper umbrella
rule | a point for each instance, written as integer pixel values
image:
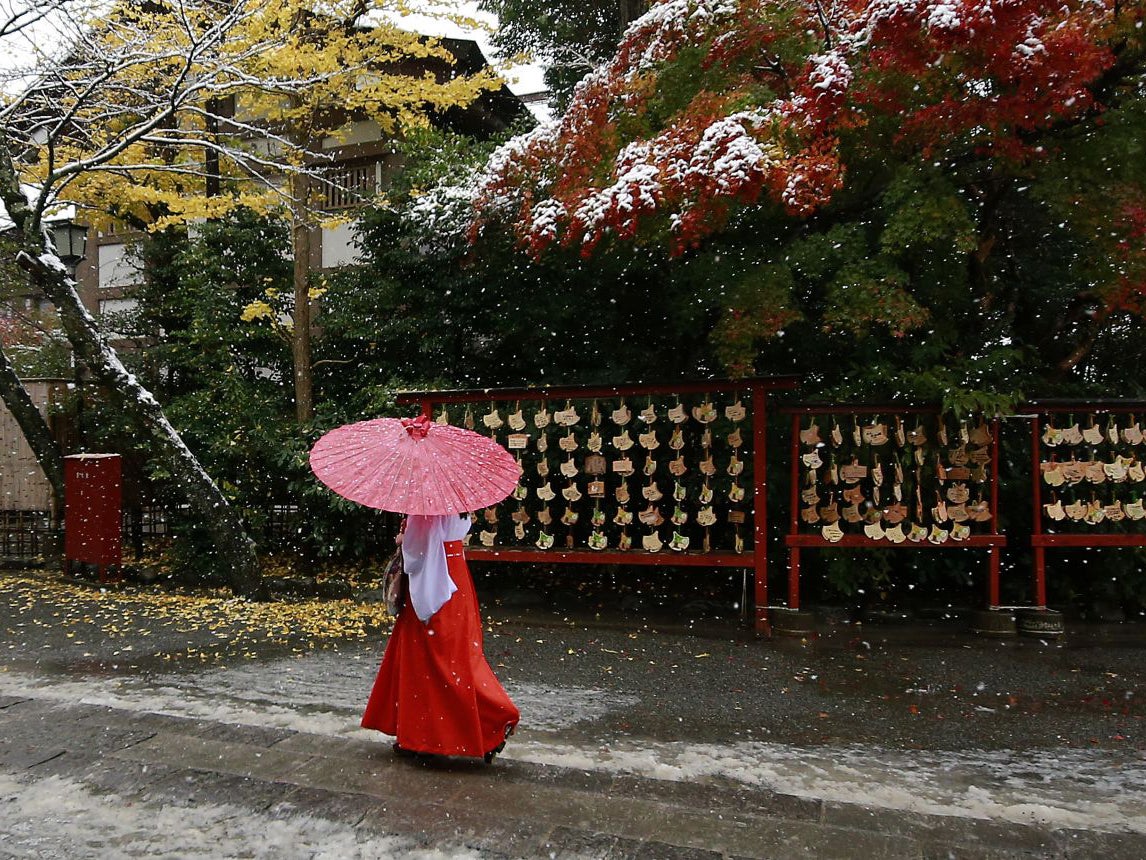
(414, 466)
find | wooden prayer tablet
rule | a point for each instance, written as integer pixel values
(596, 464)
(874, 434)
(705, 413)
(566, 417)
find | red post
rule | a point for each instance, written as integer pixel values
(993, 577)
(794, 525)
(760, 510)
(93, 511)
(993, 580)
(1037, 524)
(794, 578)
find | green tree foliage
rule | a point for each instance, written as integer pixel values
(568, 38)
(227, 382)
(421, 313)
(958, 275)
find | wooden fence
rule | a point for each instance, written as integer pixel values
(23, 486)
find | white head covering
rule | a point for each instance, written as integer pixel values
(424, 559)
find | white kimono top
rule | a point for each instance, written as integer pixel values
(424, 559)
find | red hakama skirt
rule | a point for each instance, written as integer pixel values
(435, 692)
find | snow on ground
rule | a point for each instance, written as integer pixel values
(322, 693)
(1087, 789)
(58, 817)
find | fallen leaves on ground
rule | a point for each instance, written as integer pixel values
(234, 624)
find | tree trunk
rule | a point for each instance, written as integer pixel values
(36, 431)
(213, 179)
(300, 337)
(15, 396)
(235, 547)
(1083, 348)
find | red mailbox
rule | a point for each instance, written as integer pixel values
(93, 511)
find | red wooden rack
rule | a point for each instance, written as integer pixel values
(756, 390)
(1042, 540)
(798, 541)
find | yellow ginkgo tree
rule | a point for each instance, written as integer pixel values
(151, 113)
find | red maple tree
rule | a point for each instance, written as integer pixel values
(709, 105)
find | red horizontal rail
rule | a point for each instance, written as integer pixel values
(555, 392)
(855, 408)
(1091, 540)
(667, 559)
(1055, 406)
(810, 541)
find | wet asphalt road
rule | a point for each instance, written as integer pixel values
(917, 686)
(593, 691)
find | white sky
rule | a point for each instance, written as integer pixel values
(19, 49)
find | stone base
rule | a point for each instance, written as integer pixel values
(1040, 623)
(792, 622)
(993, 622)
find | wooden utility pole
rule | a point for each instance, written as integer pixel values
(300, 335)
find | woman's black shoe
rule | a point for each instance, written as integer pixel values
(488, 757)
